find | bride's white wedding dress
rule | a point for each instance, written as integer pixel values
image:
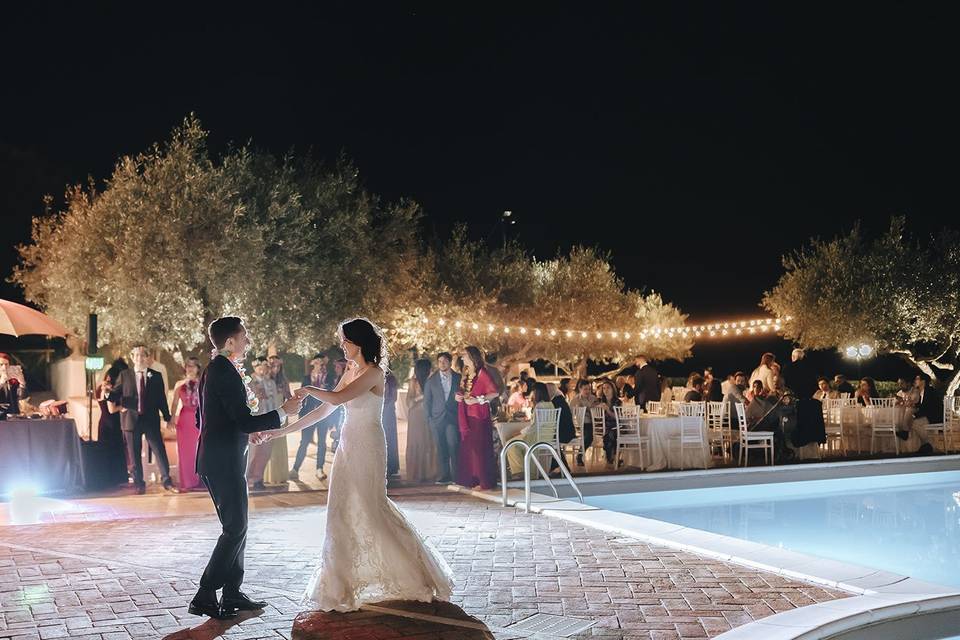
(370, 552)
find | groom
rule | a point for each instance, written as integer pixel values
(225, 422)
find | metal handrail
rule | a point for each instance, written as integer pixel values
(527, 457)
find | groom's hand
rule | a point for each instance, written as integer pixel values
(292, 406)
(259, 437)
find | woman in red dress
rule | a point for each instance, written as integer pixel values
(185, 402)
(477, 389)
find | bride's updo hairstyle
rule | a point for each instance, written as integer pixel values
(368, 337)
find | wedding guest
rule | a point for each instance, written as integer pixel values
(907, 394)
(929, 410)
(666, 391)
(707, 376)
(319, 378)
(648, 381)
(566, 431)
(756, 390)
(277, 471)
(439, 399)
(695, 394)
(566, 388)
(497, 377)
(735, 394)
(390, 392)
(335, 419)
(476, 464)
(153, 362)
(764, 372)
(584, 398)
(143, 400)
(186, 402)
(800, 376)
(712, 392)
(13, 385)
(607, 396)
(823, 392)
(517, 401)
(624, 390)
(841, 384)
(866, 392)
(533, 432)
(265, 389)
(110, 435)
(527, 385)
(421, 450)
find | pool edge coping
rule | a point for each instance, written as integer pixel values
(876, 594)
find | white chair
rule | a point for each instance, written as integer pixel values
(575, 446)
(628, 433)
(833, 424)
(887, 403)
(753, 439)
(883, 424)
(692, 415)
(546, 425)
(598, 419)
(675, 407)
(718, 428)
(654, 407)
(949, 429)
(679, 393)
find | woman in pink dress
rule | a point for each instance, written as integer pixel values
(185, 402)
(477, 389)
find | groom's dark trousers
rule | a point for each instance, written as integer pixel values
(225, 422)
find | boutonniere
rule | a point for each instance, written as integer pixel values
(149, 374)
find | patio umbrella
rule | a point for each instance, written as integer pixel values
(19, 320)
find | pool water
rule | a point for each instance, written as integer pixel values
(908, 524)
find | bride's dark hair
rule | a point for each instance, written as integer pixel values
(368, 337)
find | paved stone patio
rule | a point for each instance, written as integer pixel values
(127, 567)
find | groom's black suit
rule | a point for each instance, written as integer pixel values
(225, 422)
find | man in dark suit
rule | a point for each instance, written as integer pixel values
(439, 398)
(225, 424)
(648, 382)
(13, 386)
(143, 400)
(929, 410)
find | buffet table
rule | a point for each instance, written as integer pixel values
(41, 453)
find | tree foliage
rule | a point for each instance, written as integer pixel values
(176, 238)
(896, 291)
(470, 292)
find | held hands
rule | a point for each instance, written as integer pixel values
(260, 437)
(292, 406)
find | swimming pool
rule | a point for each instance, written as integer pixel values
(907, 524)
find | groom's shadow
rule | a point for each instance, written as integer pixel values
(211, 628)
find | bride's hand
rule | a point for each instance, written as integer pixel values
(259, 437)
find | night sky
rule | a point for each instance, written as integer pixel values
(696, 143)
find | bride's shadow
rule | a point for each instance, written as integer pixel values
(211, 628)
(392, 619)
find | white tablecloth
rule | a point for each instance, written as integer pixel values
(665, 453)
(508, 430)
(862, 418)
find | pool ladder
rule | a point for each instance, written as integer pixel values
(528, 456)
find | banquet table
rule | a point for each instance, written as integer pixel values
(861, 419)
(664, 453)
(45, 453)
(510, 429)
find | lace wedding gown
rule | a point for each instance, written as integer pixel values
(370, 551)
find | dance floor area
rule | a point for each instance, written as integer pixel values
(129, 568)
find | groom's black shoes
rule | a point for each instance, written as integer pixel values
(208, 606)
(240, 602)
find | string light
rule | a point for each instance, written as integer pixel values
(754, 326)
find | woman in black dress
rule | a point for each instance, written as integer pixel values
(110, 436)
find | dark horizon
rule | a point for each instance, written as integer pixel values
(696, 144)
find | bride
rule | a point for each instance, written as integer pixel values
(370, 551)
